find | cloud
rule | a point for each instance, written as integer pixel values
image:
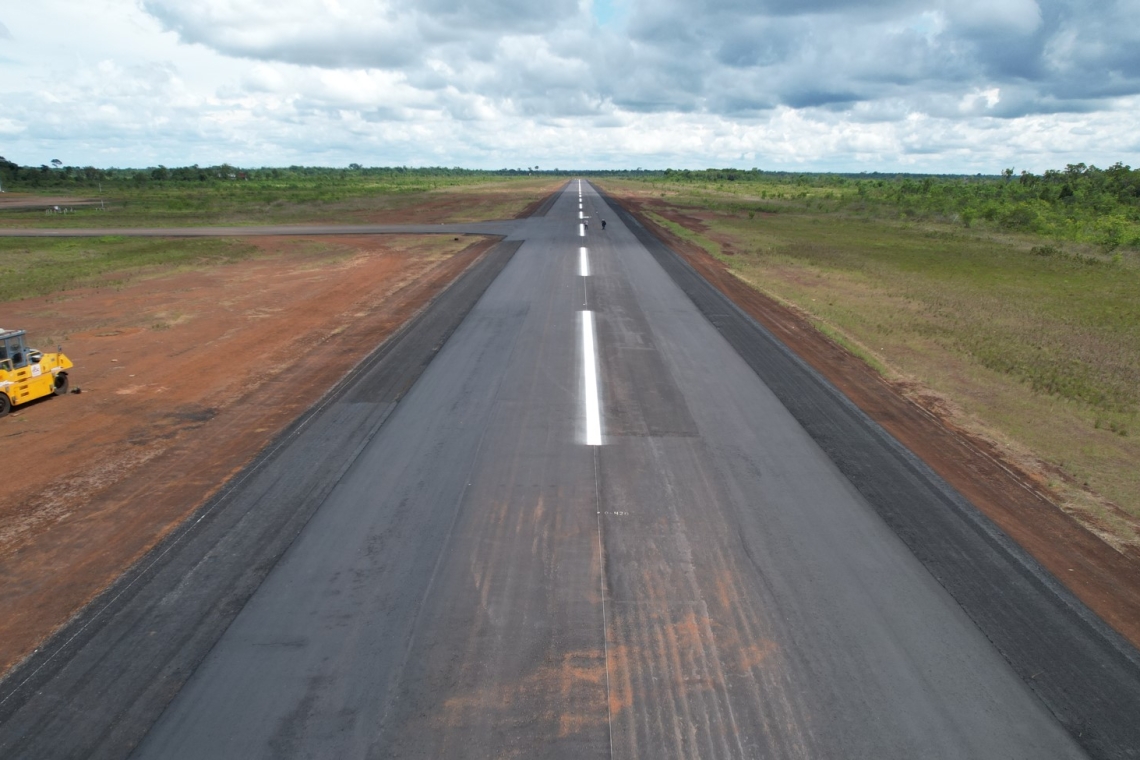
(996, 17)
(721, 56)
(4, 33)
(354, 33)
(796, 83)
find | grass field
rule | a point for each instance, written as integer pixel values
(1079, 204)
(1032, 341)
(32, 267)
(331, 196)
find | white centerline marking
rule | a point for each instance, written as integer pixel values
(580, 214)
(581, 230)
(583, 262)
(590, 373)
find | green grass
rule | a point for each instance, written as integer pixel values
(1080, 204)
(35, 267)
(40, 266)
(710, 247)
(329, 197)
(1037, 340)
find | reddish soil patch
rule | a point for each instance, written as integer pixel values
(1106, 580)
(185, 377)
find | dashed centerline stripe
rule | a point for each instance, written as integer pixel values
(590, 375)
(589, 350)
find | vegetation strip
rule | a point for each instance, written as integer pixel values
(226, 195)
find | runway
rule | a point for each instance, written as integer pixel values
(585, 526)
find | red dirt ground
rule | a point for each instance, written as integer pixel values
(1106, 580)
(184, 380)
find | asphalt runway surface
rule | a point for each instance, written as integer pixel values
(580, 508)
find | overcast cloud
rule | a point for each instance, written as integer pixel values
(935, 85)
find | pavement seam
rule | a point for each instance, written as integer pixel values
(602, 584)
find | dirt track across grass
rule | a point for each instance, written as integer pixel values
(1105, 579)
(185, 376)
(28, 201)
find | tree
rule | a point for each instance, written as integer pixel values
(56, 163)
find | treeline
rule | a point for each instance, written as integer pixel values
(60, 176)
(1079, 202)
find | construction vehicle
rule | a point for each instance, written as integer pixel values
(27, 374)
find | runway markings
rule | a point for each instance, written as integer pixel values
(589, 350)
(590, 374)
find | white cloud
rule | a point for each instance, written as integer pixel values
(845, 84)
(980, 100)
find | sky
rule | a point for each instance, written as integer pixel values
(948, 86)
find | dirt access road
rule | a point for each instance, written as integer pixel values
(185, 377)
(25, 201)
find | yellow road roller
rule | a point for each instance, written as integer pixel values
(27, 374)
